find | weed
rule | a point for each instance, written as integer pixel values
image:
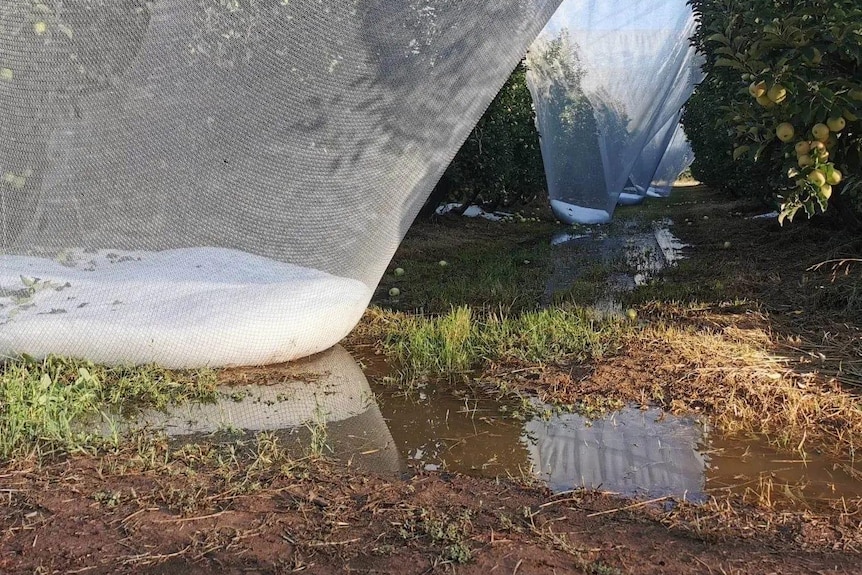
(55, 405)
(318, 443)
(599, 568)
(452, 533)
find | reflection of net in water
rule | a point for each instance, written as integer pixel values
(328, 390)
(630, 452)
(295, 133)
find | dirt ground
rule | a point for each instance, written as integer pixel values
(253, 509)
(91, 515)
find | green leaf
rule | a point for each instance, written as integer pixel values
(726, 62)
(739, 151)
(718, 38)
(760, 150)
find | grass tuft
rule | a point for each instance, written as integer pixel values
(463, 339)
(53, 405)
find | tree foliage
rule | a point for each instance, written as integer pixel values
(572, 140)
(784, 93)
(500, 164)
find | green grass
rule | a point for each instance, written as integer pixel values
(462, 339)
(452, 533)
(490, 264)
(53, 406)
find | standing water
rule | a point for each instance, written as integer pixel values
(635, 452)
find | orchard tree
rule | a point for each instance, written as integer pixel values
(798, 95)
(500, 164)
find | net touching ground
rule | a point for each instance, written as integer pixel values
(676, 159)
(605, 79)
(212, 182)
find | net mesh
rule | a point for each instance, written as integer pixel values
(605, 80)
(650, 157)
(223, 182)
(676, 159)
(645, 170)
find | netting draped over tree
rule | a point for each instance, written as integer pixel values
(650, 157)
(676, 159)
(647, 164)
(605, 79)
(215, 182)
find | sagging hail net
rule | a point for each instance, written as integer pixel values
(676, 159)
(668, 149)
(223, 182)
(606, 78)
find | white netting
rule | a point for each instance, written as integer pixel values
(646, 167)
(650, 157)
(674, 162)
(224, 181)
(605, 77)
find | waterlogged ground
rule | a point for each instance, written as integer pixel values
(698, 418)
(310, 468)
(641, 453)
(638, 452)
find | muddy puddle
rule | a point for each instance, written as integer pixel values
(628, 258)
(328, 403)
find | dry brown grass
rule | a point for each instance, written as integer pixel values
(731, 367)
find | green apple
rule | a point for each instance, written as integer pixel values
(817, 178)
(777, 93)
(820, 132)
(836, 124)
(785, 131)
(833, 177)
(764, 101)
(757, 89)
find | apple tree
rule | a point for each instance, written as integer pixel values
(791, 71)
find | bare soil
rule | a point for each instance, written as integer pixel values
(79, 517)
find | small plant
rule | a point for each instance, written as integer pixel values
(319, 441)
(461, 340)
(452, 533)
(56, 405)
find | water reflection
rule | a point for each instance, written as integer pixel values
(328, 389)
(440, 430)
(751, 466)
(643, 453)
(632, 256)
(633, 452)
